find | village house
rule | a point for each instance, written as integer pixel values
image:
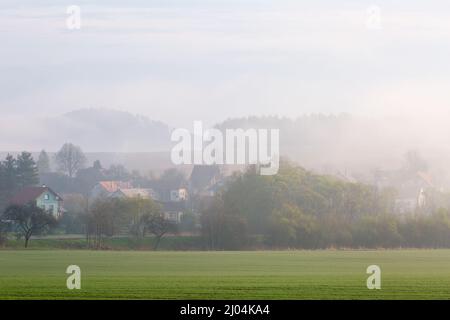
(178, 195)
(105, 189)
(203, 180)
(412, 190)
(413, 193)
(173, 211)
(135, 193)
(43, 197)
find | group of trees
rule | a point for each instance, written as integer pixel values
(73, 175)
(130, 216)
(16, 173)
(299, 209)
(103, 218)
(293, 209)
(106, 218)
(22, 171)
(69, 159)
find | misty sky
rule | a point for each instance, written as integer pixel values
(181, 60)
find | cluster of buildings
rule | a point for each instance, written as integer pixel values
(173, 204)
(204, 182)
(414, 190)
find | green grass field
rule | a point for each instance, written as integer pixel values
(406, 274)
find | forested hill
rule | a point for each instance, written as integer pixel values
(94, 130)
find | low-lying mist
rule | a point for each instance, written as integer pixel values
(352, 145)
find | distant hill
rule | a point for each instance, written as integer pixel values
(344, 144)
(94, 130)
(109, 130)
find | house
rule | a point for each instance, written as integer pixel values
(43, 197)
(135, 193)
(178, 195)
(202, 178)
(173, 211)
(414, 190)
(107, 188)
(413, 193)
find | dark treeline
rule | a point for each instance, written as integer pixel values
(299, 209)
(16, 173)
(135, 217)
(72, 174)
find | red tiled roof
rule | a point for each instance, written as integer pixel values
(30, 194)
(113, 186)
(426, 177)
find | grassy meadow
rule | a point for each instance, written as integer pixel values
(327, 274)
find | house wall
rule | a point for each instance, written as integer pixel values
(49, 203)
(173, 216)
(178, 195)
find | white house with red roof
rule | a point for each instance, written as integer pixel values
(43, 197)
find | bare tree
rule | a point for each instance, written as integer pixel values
(70, 159)
(29, 219)
(159, 226)
(106, 218)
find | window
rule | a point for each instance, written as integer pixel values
(46, 197)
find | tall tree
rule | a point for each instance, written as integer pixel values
(26, 169)
(87, 178)
(70, 159)
(9, 169)
(43, 163)
(97, 165)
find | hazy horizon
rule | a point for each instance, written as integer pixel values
(174, 62)
(178, 62)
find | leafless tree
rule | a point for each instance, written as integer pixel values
(70, 159)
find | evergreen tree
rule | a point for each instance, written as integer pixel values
(7, 180)
(97, 165)
(9, 174)
(27, 171)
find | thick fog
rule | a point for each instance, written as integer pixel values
(147, 67)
